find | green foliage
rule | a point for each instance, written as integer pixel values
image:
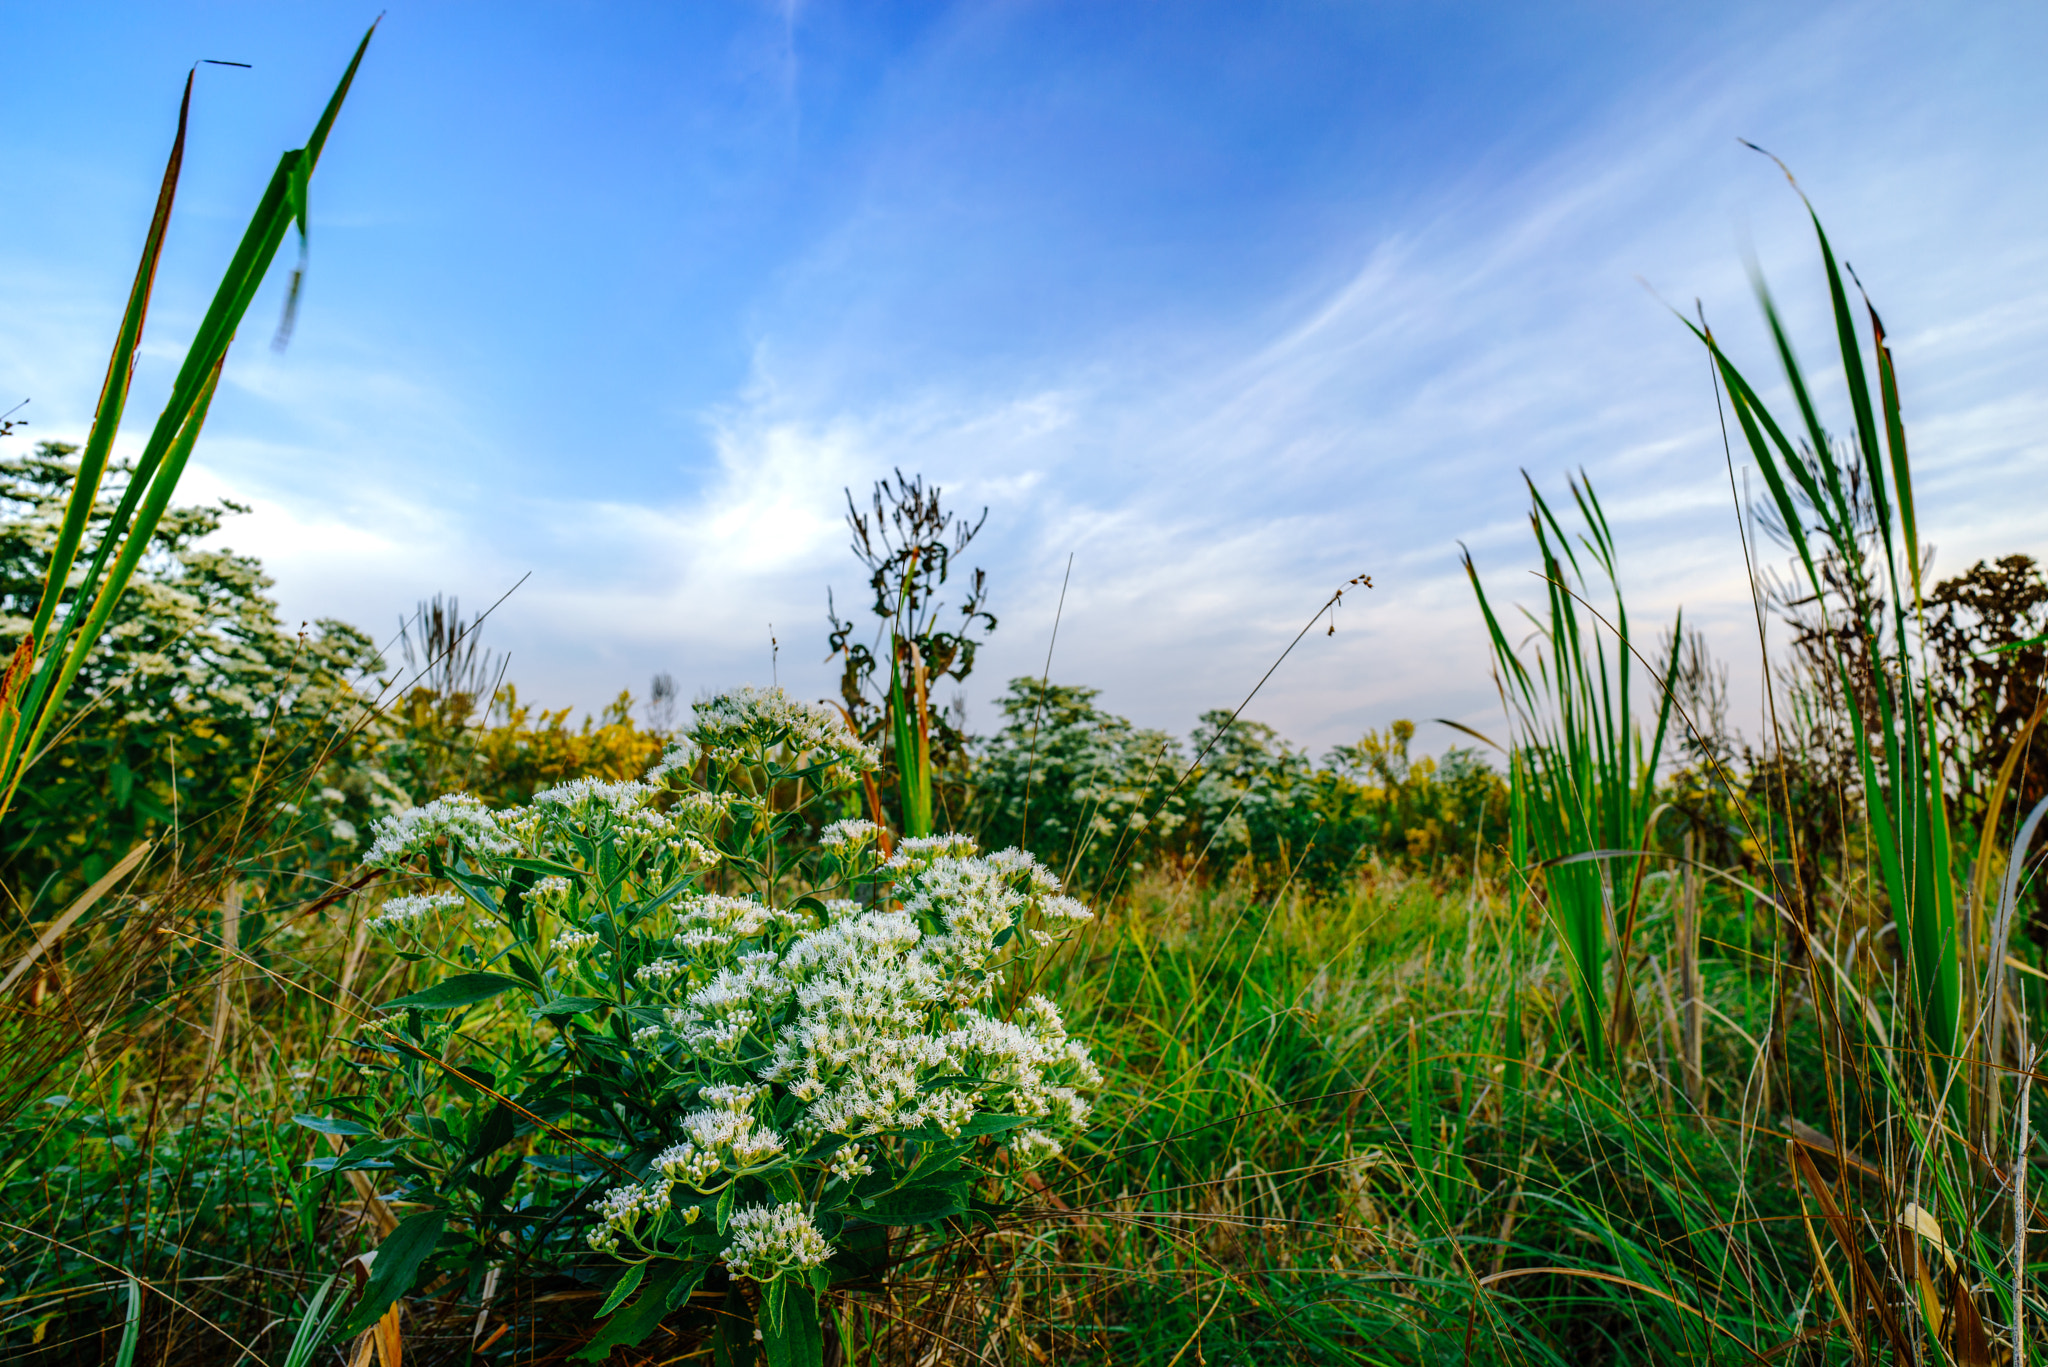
(197, 714)
(1069, 782)
(1987, 649)
(88, 1191)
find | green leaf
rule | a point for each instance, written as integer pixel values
(373, 1153)
(2027, 644)
(722, 1212)
(915, 1205)
(568, 1164)
(633, 1324)
(398, 1263)
(733, 1346)
(944, 1080)
(499, 1128)
(132, 1332)
(545, 866)
(313, 1325)
(334, 1125)
(789, 1325)
(478, 890)
(569, 1006)
(464, 989)
(623, 1288)
(979, 1125)
(476, 1078)
(860, 1251)
(989, 1122)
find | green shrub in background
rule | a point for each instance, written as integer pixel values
(1072, 783)
(1424, 813)
(1089, 793)
(1253, 797)
(198, 713)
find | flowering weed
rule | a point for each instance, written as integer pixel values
(742, 1051)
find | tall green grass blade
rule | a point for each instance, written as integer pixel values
(113, 401)
(1859, 389)
(314, 1326)
(1895, 446)
(59, 658)
(1904, 801)
(131, 1331)
(1581, 775)
(913, 756)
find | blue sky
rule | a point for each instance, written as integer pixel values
(1229, 301)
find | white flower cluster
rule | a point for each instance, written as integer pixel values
(679, 758)
(1030, 1147)
(400, 913)
(551, 893)
(458, 818)
(875, 1018)
(713, 922)
(845, 838)
(736, 725)
(767, 1240)
(620, 1210)
(856, 1016)
(850, 1164)
(718, 1017)
(918, 851)
(726, 1133)
(586, 801)
(622, 813)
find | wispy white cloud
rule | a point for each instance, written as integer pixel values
(1378, 417)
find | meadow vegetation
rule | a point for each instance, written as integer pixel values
(356, 1010)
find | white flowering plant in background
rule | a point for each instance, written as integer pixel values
(676, 1029)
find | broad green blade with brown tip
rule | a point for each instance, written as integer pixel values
(106, 416)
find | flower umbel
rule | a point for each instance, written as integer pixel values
(402, 913)
(768, 1241)
(744, 722)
